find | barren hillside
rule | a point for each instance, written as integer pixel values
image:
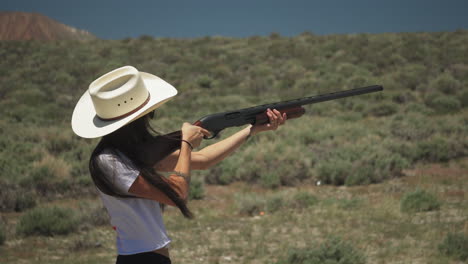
(26, 26)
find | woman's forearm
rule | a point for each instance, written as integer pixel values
(217, 152)
(180, 180)
(183, 163)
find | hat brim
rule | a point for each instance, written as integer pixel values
(86, 124)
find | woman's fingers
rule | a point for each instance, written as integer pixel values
(275, 118)
(281, 118)
(270, 118)
(205, 132)
(194, 134)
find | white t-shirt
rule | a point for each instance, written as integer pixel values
(138, 221)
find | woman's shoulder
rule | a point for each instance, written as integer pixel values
(109, 157)
(117, 170)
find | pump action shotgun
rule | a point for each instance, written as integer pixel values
(257, 114)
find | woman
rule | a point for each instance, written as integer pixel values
(128, 164)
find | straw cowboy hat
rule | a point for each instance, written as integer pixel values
(118, 98)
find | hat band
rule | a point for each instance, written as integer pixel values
(129, 113)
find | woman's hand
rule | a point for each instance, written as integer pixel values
(193, 134)
(276, 120)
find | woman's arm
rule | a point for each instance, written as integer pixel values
(213, 154)
(142, 188)
(180, 179)
(207, 156)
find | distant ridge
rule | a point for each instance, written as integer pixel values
(34, 26)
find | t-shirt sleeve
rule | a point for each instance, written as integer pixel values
(119, 171)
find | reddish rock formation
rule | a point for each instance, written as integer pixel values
(34, 26)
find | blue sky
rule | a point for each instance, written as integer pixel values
(117, 19)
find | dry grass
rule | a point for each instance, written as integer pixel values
(59, 168)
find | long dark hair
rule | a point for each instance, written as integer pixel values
(139, 142)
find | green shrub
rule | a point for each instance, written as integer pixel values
(274, 203)
(347, 69)
(270, 179)
(361, 175)
(384, 109)
(197, 189)
(58, 141)
(85, 242)
(376, 166)
(443, 104)
(271, 166)
(343, 203)
(146, 38)
(333, 251)
(8, 196)
(411, 75)
(16, 198)
(439, 149)
(459, 71)
(412, 127)
(445, 83)
(16, 157)
(48, 177)
(303, 199)
(350, 116)
(300, 85)
(47, 222)
(2, 233)
(360, 163)
(358, 81)
(222, 71)
(348, 204)
(250, 204)
(464, 99)
(418, 108)
(455, 245)
(205, 81)
(224, 173)
(403, 97)
(334, 171)
(41, 179)
(25, 201)
(419, 201)
(91, 214)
